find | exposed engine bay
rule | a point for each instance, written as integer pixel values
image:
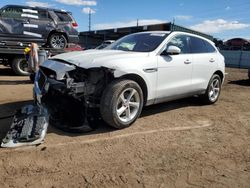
(71, 94)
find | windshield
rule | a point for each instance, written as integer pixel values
(139, 42)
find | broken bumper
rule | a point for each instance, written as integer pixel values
(66, 112)
(29, 127)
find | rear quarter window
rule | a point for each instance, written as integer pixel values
(43, 15)
(63, 16)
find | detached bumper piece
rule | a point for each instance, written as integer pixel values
(29, 127)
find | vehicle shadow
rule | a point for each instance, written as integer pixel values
(14, 82)
(7, 111)
(6, 71)
(240, 82)
(172, 105)
(103, 127)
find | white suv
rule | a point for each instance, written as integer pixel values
(139, 69)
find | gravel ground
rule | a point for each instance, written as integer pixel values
(174, 144)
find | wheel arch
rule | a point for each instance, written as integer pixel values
(139, 80)
(220, 73)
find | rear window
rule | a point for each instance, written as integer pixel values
(64, 16)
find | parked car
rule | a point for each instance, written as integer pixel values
(105, 44)
(138, 70)
(52, 27)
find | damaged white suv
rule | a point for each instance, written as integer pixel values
(139, 69)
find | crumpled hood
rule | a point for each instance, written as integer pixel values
(99, 58)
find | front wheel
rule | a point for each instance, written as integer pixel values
(121, 103)
(213, 90)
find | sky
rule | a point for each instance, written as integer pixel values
(223, 19)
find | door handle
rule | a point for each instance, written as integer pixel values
(211, 60)
(150, 70)
(187, 61)
(26, 22)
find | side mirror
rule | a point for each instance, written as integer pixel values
(173, 50)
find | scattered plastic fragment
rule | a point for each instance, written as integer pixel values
(29, 127)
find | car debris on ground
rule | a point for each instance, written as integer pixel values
(29, 127)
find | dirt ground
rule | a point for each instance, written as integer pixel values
(175, 144)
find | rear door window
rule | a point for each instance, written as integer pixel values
(210, 48)
(201, 46)
(198, 45)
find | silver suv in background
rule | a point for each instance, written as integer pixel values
(51, 27)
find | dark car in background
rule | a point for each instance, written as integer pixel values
(238, 44)
(51, 27)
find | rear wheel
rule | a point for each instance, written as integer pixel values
(121, 103)
(57, 41)
(213, 90)
(20, 66)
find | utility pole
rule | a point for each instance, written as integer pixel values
(89, 19)
(172, 25)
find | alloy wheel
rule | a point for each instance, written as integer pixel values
(128, 105)
(58, 41)
(214, 90)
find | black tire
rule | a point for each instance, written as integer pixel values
(57, 41)
(206, 98)
(20, 66)
(110, 102)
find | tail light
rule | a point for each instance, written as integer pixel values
(74, 24)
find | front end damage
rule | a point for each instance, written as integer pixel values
(71, 94)
(65, 96)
